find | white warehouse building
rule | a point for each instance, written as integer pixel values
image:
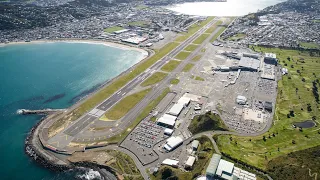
(172, 143)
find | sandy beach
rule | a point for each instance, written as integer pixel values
(105, 43)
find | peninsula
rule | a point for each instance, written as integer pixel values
(216, 97)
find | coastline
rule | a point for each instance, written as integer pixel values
(35, 142)
(86, 41)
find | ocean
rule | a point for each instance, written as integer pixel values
(48, 75)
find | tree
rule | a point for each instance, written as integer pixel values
(264, 138)
(293, 142)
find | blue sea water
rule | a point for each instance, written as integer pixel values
(47, 75)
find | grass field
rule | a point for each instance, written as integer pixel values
(124, 165)
(155, 78)
(198, 78)
(237, 37)
(170, 66)
(204, 153)
(194, 28)
(182, 55)
(139, 23)
(144, 113)
(191, 47)
(295, 93)
(213, 27)
(296, 165)
(196, 58)
(107, 91)
(174, 81)
(124, 105)
(113, 29)
(309, 45)
(188, 67)
(201, 38)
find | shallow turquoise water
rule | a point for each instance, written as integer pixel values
(47, 75)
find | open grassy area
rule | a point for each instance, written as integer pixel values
(204, 153)
(124, 105)
(309, 45)
(107, 91)
(191, 47)
(124, 165)
(144, 113)
(296, 96)
(192, 29)
(296, 165)
(237, 37)
(196, 58)
(155, 78)
(174, 81)
(113, 29)
(182, 55)
(170, 66)
(188, 67)
(214, 27)
(198, 78)
(139, 23)
(206, 122)
(201, 38)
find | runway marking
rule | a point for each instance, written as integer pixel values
(57, 142)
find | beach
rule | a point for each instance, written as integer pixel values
(98, 42)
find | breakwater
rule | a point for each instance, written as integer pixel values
(40, 112)
(35, 150)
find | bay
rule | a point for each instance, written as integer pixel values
(229, 8)
(48, 75)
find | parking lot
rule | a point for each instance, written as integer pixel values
(142, 140)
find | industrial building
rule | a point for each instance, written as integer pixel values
(184, 100)
(190, 162)
(241, 100)
(134, 40)
(213, 165)
(222, 169)
(167, 121)
(195, 145)
(168, 131)
(255, 56)
(270, 58)
(176, 109)
(172, 143)
(170, 162)
(249, 64)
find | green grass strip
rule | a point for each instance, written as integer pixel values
(182, 55)
(170, 66)
(188, 67)
(142, 115)
(155, 78)
(124, 106)
(191, 47)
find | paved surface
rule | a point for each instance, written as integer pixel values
(77, 127)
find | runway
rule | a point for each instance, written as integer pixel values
(100, 109)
